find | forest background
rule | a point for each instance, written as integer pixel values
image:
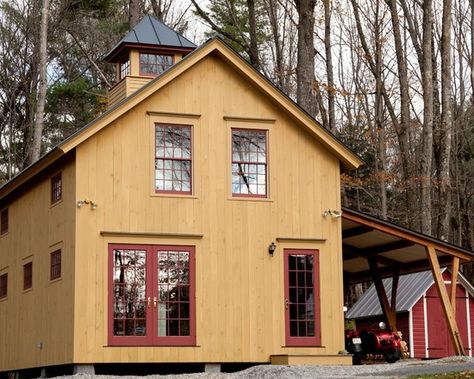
(393, 79)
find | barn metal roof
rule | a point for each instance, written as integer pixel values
(151, 31)
(411, 288)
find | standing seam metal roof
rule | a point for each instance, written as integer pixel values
(151, 31)
(410, 288)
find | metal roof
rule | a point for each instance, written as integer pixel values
(151, 31)
(411, 288)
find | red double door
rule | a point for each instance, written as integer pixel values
(151, 295)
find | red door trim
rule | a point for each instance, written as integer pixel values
(303, 341)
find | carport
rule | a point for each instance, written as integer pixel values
(374, 249)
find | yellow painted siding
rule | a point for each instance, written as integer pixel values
(239, 287)
(41, 316)
(117, 92)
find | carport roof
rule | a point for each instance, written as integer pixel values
(395, 248)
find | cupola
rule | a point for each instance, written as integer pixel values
(145, 52)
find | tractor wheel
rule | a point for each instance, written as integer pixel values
(392, 356)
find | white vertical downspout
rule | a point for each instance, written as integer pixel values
(468, 315)
(425, 321)
(410, 337)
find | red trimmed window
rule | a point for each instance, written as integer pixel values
(55, 272)
(302, 308)
(154, 64)
(28, 275)
(173, 158)
(151, 295)
(249, 163)
(3, 286)
(56, 188)
(4, 221)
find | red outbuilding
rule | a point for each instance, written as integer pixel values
(419, 313)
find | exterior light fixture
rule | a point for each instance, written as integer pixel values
(271, 248)
(93, 204)
(333, 213)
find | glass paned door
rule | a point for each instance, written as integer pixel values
(151, 295)
(302, 298)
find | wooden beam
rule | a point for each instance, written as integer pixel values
(388, 247)
(357, 231)
(393, 301)
(454, 283)
(351, 252)
(445, 303)
(406, 234)
(405, 268)
(382, 295)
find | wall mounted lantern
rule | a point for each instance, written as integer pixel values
(271, 248)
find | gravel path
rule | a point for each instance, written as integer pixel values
(373, 371)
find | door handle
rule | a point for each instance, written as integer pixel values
(148, 300)
(154, 301)
(287, 303)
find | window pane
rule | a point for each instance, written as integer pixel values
(154, 64)
(249, 171)
(174, 305)
(129, 304)
(173, 158)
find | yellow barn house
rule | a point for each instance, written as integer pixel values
(183, 225)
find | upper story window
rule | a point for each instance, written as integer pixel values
(173, 158)
(55, 271)
(56, 188)
(154, 64)
(4, 221)
(3, 285)
(124, 69)
(28, 275)
(249, 162)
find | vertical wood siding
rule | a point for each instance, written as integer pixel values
(239, 286)
(43, 315)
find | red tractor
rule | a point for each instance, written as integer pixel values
(374, 341)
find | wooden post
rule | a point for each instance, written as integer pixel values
(454, 283)
(445, 303)
(393, 301)
(382, 295)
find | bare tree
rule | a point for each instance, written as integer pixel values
(34, 152)
(331, 90)
(133, 13)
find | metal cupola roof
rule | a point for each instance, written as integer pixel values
(151, 33)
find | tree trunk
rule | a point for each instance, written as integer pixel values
(472, 51)
(427, 137)
(331, 90)
(133, 13)
(306, 52)
(446, 123)
(253, 51)
(34, 151)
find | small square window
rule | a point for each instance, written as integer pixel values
(28, 275)
(56, 188)
(55, 264)
(3, 286)
(4, 221)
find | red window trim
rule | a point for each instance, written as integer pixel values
(4, 286)
(246, 195)
(4, 221)
(152, 339)
(55, 266)
(147, 74)
(27, 276)
(173, 192)
(56, 188)
(304, 341)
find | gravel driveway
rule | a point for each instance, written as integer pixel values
(374, 371)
